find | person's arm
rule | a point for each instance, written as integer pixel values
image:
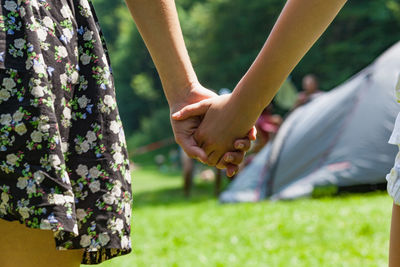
(158, 24)
(299, 25)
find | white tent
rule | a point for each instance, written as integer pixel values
(338, 139)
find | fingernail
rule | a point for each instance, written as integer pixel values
(176, 114)
(240, 146)
(228, 158)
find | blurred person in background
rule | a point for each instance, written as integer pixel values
(267, 126)
(310, 85)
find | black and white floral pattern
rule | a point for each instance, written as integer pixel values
(63, 156)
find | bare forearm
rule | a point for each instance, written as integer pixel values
(158, 23)
(298, 27)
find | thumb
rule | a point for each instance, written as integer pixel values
(196, 109)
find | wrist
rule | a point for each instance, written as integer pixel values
(176, 94)
(190, 94)
(250, 108)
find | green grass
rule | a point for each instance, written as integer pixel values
(168, 230)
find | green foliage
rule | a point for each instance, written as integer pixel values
(142, 85)
(169, 230)
(224, 37)
(152, 129)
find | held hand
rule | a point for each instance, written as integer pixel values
(184, 131)
(222, 124)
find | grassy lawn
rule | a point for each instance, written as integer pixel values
(169, 230)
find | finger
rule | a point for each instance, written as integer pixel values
(234, 158)
(196, 109)
(213, 158)
(195, 152)
(230, 158)
(242, 144)
(252, 134)
(231, 170)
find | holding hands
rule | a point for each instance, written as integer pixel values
(202, 131)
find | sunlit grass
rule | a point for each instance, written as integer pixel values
(169, 230)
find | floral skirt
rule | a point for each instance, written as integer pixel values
(63, 158)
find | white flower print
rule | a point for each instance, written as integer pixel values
(31, 188)
(19, 43)
(4, 95)
(82, 170)
(57, 199)
(22, 182)
(66, 12)
(109, 199)
(118, 158)
(85, 146)
(74, 77)
(5, 119)
(34, 4)
(115, 127)
(80, 214)
(36, 136)
(85, 59)
(64, 147)
(67, 113)
(91, 136)
(5, 197)
(55, 160)
(84, 4)
(48, 22)
(62, 52)
(24, 212)
(11, 159)
(85, 241)
(10, 6)
(116, 191)
(88, 35)
(125, 243)
(119, 224)
(17, 116)
(83, 101)
(68, 34)
(43, 126)
(38, 91)
(109, 100)
(42, 34)
(39, 67)
(38, 176)
(20, 128)
(9, 83)
(116, 147)
(94, 172)
(64, 79)
(104, 238)
(94, 186)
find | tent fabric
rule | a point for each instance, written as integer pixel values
(340, 138)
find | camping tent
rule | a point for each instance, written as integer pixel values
(339, 139)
